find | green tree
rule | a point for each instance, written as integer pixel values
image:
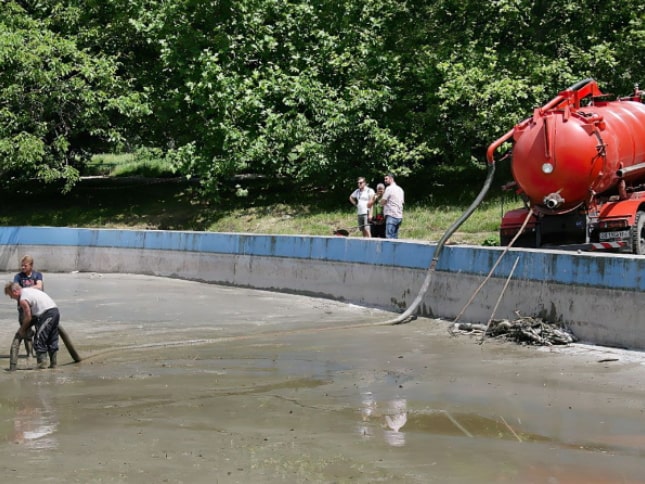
(321, 91)
(480, 67)
(315, 91)
(58, 103)
(281, 88)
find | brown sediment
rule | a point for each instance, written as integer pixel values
(189, 382)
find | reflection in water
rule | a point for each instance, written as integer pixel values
(395, 416)
(398, 414)
(396, 419)
(35, 423)
(368, 410)
(395, 439)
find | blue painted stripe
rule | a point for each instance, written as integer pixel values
(594, 270)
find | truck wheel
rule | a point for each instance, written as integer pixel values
(638, 234)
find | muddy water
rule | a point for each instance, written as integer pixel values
(189, 382)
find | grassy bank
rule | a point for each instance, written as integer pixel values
(254, 206)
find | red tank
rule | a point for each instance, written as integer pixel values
(568, 152)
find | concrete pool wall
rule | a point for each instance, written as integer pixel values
(599, 296)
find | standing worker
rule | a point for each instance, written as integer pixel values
(39, 310)
(28, 277)
(392, 201)
(360, 198)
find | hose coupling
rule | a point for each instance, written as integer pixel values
(553, 201)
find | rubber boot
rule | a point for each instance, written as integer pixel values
(41, 359)
(29, 346)
(53, 359)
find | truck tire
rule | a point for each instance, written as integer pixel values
(638, 234)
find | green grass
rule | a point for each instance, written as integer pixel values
(145, 201)
(420, 223)
(146, 163)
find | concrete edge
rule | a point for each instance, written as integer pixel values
(598, 296)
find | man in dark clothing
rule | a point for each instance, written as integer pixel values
(28, 277)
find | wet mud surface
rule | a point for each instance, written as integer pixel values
(188, 382)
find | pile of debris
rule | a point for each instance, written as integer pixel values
(524, 330)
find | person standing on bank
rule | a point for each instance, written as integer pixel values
(360, 198)
(28, 277)
(392, 201)
(39, 310)
(378, 218)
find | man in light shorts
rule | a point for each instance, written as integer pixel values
(360, 198)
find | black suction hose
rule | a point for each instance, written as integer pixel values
(406, 316)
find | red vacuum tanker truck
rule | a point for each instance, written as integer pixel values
(579, 166)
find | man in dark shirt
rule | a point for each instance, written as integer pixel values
(28, 277)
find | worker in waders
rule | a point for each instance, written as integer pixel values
(38, 310)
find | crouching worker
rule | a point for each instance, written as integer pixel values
(38, 310)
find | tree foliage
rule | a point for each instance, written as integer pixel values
(279, 88)
(57, 101)
(315, 91)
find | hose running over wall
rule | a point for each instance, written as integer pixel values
(408, 314)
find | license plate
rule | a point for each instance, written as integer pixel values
(617, 235)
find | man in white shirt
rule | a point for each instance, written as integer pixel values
(360, 198)
(392, 201)
(39, 310)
